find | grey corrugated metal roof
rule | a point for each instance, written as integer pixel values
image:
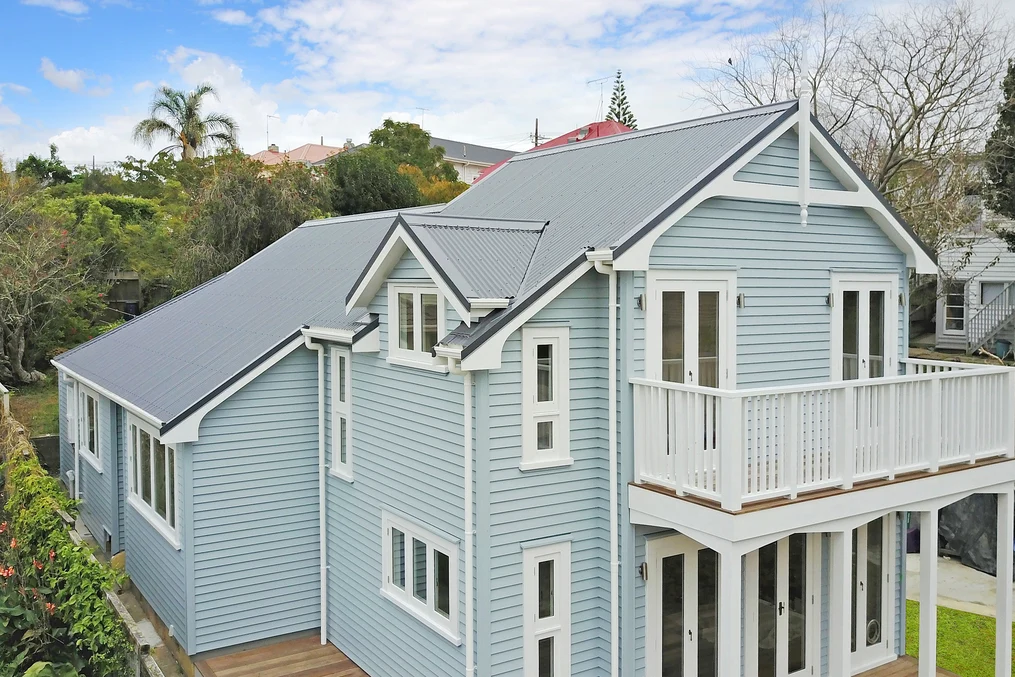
(481, 258)
(166, 360)
(471, 152)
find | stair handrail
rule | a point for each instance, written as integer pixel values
(990, 318)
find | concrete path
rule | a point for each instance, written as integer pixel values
(958, 586)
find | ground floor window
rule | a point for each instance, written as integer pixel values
(421, 573)
(955, 306)
(152, 478)
(547, 608)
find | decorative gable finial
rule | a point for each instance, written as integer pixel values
(804, 129)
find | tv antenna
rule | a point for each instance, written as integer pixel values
(267, 140)
(422, 116)
(602, 85)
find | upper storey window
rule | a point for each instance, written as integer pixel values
(414, 314)
(546, 435)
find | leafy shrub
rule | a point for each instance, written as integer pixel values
(52, 592)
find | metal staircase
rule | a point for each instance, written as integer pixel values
(993, 319)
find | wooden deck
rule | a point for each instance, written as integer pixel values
(304, 657)
(906, 666)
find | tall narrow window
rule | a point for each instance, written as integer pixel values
(89, 437)
(341, 412)
(421, 574)
(955, 306)
(416, 322)
(153, 482)
(545, 397)
(547, 609)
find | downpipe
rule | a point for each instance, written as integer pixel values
(321, 486)
(455, 368)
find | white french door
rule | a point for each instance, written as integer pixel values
(872, 593)
(682, 609)
(782, 613)
(865, 332)
(690, 330)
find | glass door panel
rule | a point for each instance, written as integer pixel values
(708, 339)
(673, 337)
(708, 613)
(875, 574)
(768, 614)
(865, 326)
(796, 606)
(876, 334)
(672, 593)
(850, 335)
(870, 586)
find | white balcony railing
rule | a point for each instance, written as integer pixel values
(739, 446)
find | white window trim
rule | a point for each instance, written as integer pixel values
(91, 456)
(559, 625)
(414, 358)
(558, 411)
(423, 611)
(339, 411)
(171, 534)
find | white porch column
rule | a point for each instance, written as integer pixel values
(928, 593)
(730, 611)
(1005, 537)
(840, 602)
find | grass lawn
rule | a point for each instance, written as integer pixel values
(965, 641)
(37, 406)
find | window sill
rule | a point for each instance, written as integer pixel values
(526, 466)
(415, 613)
(155, 521)
(343, 475)
(91, 459)
(417, 364)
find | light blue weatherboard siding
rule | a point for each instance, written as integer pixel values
(784, 270)
(569, 503)
(121, 475)
(98, 492)
(64, 388)
(255, 510)
(407, 440)
(778, 164)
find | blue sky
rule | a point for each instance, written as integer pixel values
(80, 73)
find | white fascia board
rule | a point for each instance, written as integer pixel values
(488, 354)
(450, 352)
(187, 429)
(599, 255)
(489, 303)
(377, 275)
(109, 395)
(857, 194)
(344, 336)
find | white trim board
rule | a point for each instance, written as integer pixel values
(137, 411)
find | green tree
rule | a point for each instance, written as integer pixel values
(620, 109)
(406, 143)
(368, 181)
(48, 172)
(1000, 157)
(242, 209)
(177, 117)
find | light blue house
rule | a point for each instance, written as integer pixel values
(637, 406)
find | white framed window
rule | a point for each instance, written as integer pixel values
(420, 572)
(341, 412)
(89, 434)
(153, 479)
(415, 324)
(991, 291)
(955, 306)
(546, 402)
(547, 608)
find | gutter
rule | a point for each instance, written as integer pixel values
(321, 486)
(603, 260)
(455, 367)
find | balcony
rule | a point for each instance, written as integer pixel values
(737, 447)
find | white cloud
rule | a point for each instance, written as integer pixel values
(143, 86)
(74, 80)
(233, 17)
(65, 6)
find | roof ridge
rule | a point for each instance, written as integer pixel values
(756, 111)
(459, 226)
(366, 216)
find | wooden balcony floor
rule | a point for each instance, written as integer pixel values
(905, 666)
(304, 657)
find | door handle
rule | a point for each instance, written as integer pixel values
(690, 634)
(782, 607)
(861, 585)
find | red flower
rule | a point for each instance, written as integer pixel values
(52, 555)
(3, 527)
(14, 543)
(50, 607)
(38, 564)
(7, 573)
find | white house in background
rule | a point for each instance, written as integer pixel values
(976, 294)
(470, 159)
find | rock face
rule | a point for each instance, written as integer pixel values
(968, 531)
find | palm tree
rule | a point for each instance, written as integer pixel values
(176, 116)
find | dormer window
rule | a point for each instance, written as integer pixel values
(414, 323)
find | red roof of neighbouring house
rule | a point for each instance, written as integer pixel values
(593, 130)
(308, 153)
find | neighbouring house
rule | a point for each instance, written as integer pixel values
(309, 154)
(639, 405)
(976, 294)
(469, 159)
(593, 130)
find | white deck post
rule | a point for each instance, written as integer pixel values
(731, 453)
(928, 593)
(1005, 538)
(730, 609)
(840, 604)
